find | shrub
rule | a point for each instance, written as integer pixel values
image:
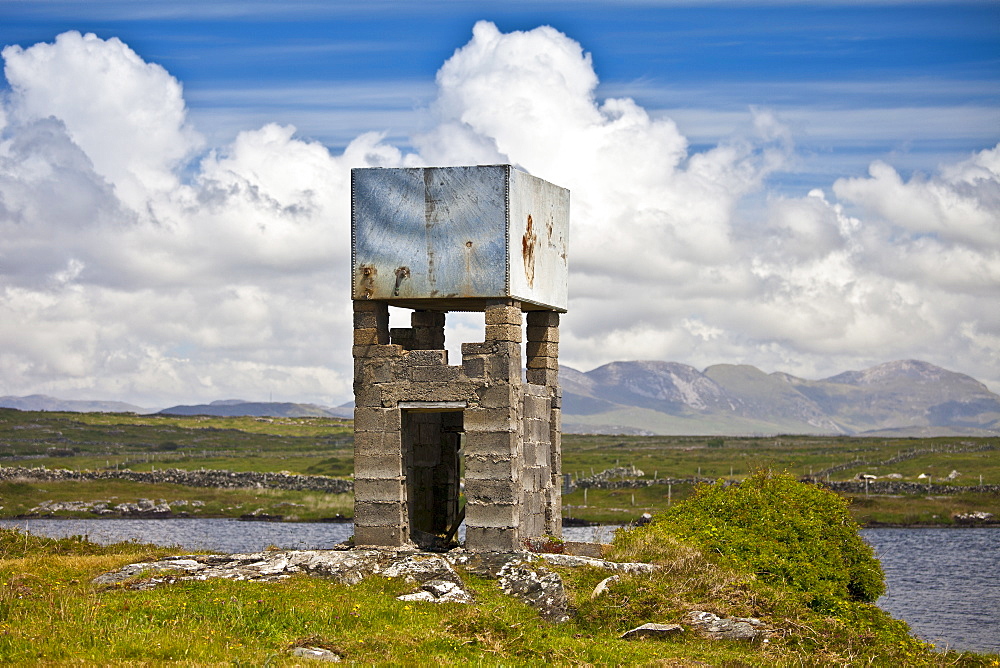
(784, 530)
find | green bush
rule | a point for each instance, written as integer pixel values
(784, 530)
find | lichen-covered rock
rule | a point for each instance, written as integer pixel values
(538, 587)
(712, 626)
(439, 591)
(315, 653)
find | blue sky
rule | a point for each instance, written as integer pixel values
(819, 180)
(336, 69)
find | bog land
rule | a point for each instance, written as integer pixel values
(610, 479)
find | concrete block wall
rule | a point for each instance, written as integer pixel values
(411, 405)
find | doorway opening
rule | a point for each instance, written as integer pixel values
(432, 444)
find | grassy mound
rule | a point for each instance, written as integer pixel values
(784, 531)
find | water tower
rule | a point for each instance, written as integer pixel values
(434, 240)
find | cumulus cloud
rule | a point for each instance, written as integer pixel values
(137, 264)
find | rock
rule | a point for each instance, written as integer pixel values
(953, 475)
(521, 574)
(422, 568)
(439, 591)
(729, 628)
(613, 566)
(315, 653)
(603, 585)
(536, 586)
(653, 631)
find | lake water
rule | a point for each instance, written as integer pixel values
(943, 582)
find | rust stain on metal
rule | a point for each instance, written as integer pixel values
(528, 252)
(402, 273)
(367, 280)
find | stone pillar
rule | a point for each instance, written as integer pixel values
(494, 434)
(542, 353)
(428, 330)
(379, 482)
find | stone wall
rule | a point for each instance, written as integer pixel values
(411, 406)
(209, 478)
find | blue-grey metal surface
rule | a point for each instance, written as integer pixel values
(453, 237)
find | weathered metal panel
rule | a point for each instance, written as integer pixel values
(452, 237)
(539, 240)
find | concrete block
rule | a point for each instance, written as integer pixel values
(487, 539)
(388, 350)
(374, 514)
(474, 367)
(369, 320)
(373, 443)
(460, 389)
(555, 423)
(503, 333)
(380, 536)
(384, 490)
(384, 466)
(544, 377)
(428, 339)
(427, 357)
(371, 371)
(482, 467)
(442, 374)
(503, 315)
(495, 515)
(550, 334)
(427, 319)
(402, 336)
(499, 395)
(504, 369)
(529, 453)
(491, 419)
(543, 363)
(541, 349)
(536, 407)
(491, 443)
(543, 319)
(490, 491)
(366, 337)
(367, 395)
(376, 419)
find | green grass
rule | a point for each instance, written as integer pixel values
(18, 497)
(52, 614)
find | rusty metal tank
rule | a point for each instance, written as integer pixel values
(456, 238)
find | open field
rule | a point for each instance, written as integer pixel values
(324, 446)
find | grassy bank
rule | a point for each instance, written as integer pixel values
(52, 613)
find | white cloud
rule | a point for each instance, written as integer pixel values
(123, 279)
(127, 115)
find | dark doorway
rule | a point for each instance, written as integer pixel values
(431, 443)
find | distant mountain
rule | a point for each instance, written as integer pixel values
(238, 408)
(41, 402)
(904, 398)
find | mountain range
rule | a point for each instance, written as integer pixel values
(903, 398)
